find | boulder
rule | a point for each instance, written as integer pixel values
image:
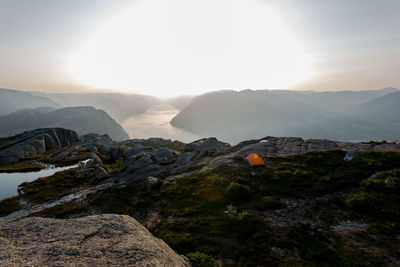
(98, 140)
(207, 147)
(133, 152)
(100, 240)
(185, 158)
(152, 182)
(165, 156)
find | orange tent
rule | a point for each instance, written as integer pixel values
(255, 160)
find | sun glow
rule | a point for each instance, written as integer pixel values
(167, 48)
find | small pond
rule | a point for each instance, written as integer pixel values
(9, 182)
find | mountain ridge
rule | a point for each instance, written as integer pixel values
(235, 116)
(84, 120)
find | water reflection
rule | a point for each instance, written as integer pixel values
(9, 182)
(155, 123)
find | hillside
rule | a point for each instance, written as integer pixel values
(314, 202)
(83, 120)
(374, 120)
(236, 116)
(118, 106)
(13, 100)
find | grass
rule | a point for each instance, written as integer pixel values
(114, 168)
(65, 211)
(378, 202)
(9, 205)
(194, 167)
(47, 158)
(218, 214)
(21, 167)
(53, 187)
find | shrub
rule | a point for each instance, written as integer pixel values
(198, 259)
(9, 205)
(237, 192)
(269, 203)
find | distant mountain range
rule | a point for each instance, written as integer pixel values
(13, 100)
(83, 120)
(118, 106)
(348, 115)
(29, 110)
(228, 115)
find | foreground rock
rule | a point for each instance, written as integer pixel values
(112, 240)
(35, 142)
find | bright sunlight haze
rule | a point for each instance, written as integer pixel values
(168, 48)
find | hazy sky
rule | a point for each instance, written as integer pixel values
(177, 47)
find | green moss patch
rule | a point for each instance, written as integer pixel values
(22, 167)
(53, 187)
(9, 205)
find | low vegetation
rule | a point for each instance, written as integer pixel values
(22, 167)
(9, 205)
(55, 186)
(287, 213)
(227, 215)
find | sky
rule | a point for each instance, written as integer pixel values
(183, 47)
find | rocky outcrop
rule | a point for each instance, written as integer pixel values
(295, 145)
(35, 142)
(112, 240)
(207, 146)
(282, 146)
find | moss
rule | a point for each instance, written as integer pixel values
(47, 157)
(22, 167)
(269, 203)
(377, 198)
(55, 186)
(198, 259)
(194, 167)
(360, 258)
(60, 162)
(195, 217)
(237, 193)
(65, 211)
(127, 200)
(9, 205)
(40, 155)
(115, 167)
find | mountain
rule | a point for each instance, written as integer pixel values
(236, 116)
(118, 106)
(180, 102)
(337, 101)
(13, 100)
(385, 109)
(83, 120)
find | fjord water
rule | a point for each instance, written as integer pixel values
(155, 123)
(9, 182)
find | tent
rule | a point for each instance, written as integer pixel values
(255, 160)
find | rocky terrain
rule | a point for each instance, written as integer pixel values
(35, 142)
(100, 240)
(314, 202)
